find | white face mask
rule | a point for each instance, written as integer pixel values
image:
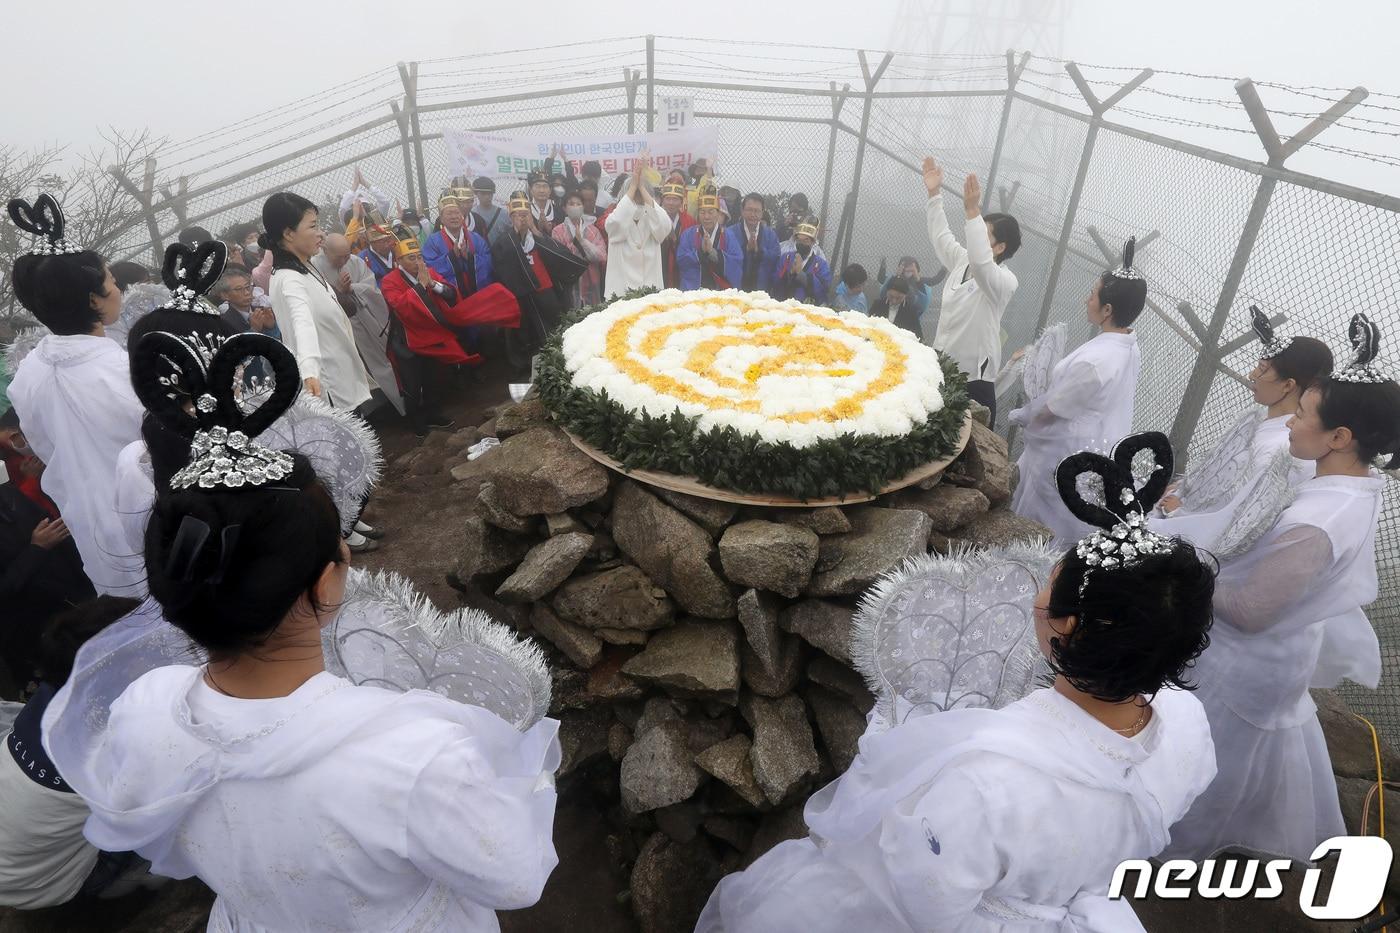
(558, 191)
(574, 211)
(252, 250)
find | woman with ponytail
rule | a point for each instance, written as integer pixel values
(1089, 400)
(1288, 615)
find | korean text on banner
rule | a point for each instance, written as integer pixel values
(508, 158)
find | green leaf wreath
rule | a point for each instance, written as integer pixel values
(727, 459)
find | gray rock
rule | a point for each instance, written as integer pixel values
(841, 679)
(655, 711)
(711, 514)
(472, 473)
(540, 472)
(605, 682)
(1001, 527)
(671, 882)
(517, 419)
(490, 507)
(619, 598)
(734, 831)
(487, 550)
(659, 770)
(729, 762)
(680, 821)
(461, 439)
(821, 623)
(879, 541)
(691, 659)
(562, 523)
(780, 679)
(423, 460)
(619, 740)
(984, 465)
(827, 520)
(674, 551)
(947, 506)
(775, 827)
(783, 755)
(577, 642)
(839, 724)
(1349, 742)
(770, 556)
(980, 413)
(758, 614)
(583, 737)
(621, 636)
(548, 564)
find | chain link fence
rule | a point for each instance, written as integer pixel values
(1217, 232)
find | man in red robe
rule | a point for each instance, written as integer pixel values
(429, 323)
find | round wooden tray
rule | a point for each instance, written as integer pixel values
(693, 487)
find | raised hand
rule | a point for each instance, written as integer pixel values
(972, 196)
(933, 176)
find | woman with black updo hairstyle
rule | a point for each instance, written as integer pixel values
(358, 808)
(1089, 400)
(961, 817)
(1288, 616)
(1233, 494)
(72, 392)
(313, 324)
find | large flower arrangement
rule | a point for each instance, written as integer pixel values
(752, 394)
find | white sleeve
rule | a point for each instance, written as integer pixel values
(295, 317)
(659, 222)
(621, 216)
(945, 246)
(1254, 593)
(481, 815)
(941, 854)
(1072, 391)
(996, 281)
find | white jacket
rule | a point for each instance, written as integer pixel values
(969, 326)
(316, 329)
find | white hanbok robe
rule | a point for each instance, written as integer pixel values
(1287, 615)
(978, 821)
(1089, 404)
(318, 332)
(975, 294)
(78, 410)
(1214, 490)
(635, 233)
(334, 808)
(370, 323)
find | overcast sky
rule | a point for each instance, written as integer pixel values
(182, 68)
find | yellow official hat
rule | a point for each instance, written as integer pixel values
(673, 190)
(405, 242)
(710, 201)
(519, 201)
(806, 229)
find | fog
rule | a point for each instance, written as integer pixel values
(182, 69)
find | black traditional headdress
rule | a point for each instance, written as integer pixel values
(190, 273)
(43, 219)
(1272, 345)
(1126, 270)
(223, 452)
(1123, 538)
(1366, 346)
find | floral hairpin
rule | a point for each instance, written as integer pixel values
(1123, 539)
(190, 273)
(1271, 344)
(1126, 270)
(1365, 344)
(44, 220)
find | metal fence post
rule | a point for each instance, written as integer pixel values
(838, 101)
(1013, 75)
(1211, 359)
(871, 79)
(409, 75)
(405, 132)
(633, 78)
(1097, 108)
(651, 83)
